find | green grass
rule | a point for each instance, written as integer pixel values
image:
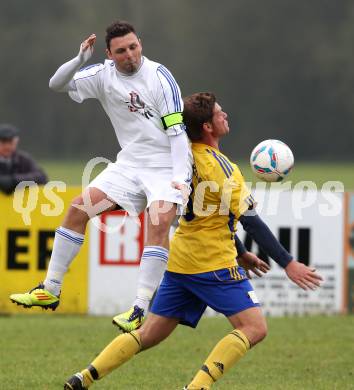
(71, 172)
(39, 352)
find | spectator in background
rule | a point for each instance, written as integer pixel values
(16, 165)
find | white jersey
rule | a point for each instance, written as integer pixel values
(135, 105)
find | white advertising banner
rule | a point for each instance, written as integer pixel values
(116, 245)
(309, 224)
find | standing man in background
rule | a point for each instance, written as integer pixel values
(16, 165)
(144, 104)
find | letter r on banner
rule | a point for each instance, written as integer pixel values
(124, 245)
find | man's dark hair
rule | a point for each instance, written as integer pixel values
(198, 109)
(118, 29)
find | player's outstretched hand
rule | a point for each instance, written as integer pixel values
(185, 190)
(302, 275)
(86, 48)
(250, 262)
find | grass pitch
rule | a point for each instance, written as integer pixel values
(38, 352)
(71, 172)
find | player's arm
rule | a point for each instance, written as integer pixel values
(249, 261)
(241, 201)
(62, 80)
(302, 275)
(261, 233)
(241, 250)
(170, 105)
(182, 171)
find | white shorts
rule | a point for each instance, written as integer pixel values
(134, 189)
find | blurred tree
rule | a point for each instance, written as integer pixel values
(281, 69)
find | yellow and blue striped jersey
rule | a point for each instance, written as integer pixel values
(204, 240)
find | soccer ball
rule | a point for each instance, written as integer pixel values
(271, 160)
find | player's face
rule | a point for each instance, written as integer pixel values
(219, 121)
(126, 53)
(8, 147)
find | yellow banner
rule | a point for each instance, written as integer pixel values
(28, 221)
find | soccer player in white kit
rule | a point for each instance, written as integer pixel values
(153, 169)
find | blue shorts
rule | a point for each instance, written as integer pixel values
(186, 297)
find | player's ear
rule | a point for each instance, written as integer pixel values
(207, 127)
(109, 54)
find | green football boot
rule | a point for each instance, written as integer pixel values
(130, 320)
(38, 296)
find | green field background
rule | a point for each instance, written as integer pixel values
(39, 352)
(71, 172)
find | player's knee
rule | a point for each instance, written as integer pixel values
(148, 339)
(259, 332)
(162, 216)
(262, 332)
(77, 201)
(255, 331)
(165, 220)
(75, 213)
(161, 229)
(164, 223)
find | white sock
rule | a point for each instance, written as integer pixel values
(152, 266)
(67, 244)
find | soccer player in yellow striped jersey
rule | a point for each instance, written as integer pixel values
(204, 240)
(202, 269)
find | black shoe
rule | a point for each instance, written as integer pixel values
(75, 383)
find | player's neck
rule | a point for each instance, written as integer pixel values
(211, 141)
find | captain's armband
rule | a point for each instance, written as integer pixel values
(169, 120)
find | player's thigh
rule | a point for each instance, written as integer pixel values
(94, 201)
(175, 300)
(234, 298)
(89, 204)
(224, 291)
(155, 329)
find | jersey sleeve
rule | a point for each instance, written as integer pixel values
(88, 82)
(169, 102)
(241, 198)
